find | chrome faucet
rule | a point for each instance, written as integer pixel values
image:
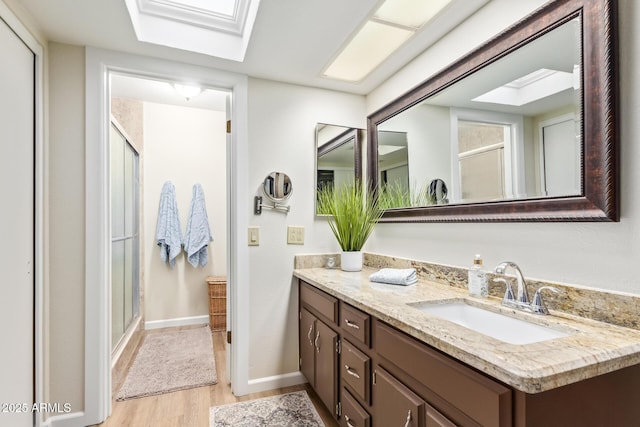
(521, 300)
(521, 293)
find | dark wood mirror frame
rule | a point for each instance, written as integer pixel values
(349, 135)
(599, 199)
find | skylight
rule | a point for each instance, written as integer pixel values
(531, 87)
(220, 28)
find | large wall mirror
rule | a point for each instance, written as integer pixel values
(338, 155)
(522, 129)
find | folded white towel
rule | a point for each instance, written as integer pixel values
(395, 276)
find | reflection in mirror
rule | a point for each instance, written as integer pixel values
(520, 129)
(338, 155)
(509, 131)
(277, 186)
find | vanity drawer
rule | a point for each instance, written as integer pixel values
(356, 323)
(355, 370)
(353, 415)
(480, 398)
(319, 302)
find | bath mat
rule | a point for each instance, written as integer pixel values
(171, 361)
(285, 410)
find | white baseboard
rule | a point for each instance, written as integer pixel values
(179, 321)
(276, 381)
(73, 419)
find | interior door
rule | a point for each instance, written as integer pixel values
(17, 121)
(230, 249)
(561, 151)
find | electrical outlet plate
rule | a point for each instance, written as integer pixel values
(254, 236)
(295, 235)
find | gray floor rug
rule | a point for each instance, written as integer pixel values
(285, 410)
(170, 361)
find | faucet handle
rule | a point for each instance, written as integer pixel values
(538, 306)
(508, 291)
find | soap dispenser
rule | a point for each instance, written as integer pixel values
(478, 279)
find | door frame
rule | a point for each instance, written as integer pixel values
(23, 33)
(99, 63)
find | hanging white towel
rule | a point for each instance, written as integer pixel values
(168, 234)
(198, 235)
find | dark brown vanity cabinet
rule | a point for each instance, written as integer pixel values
(370, 374)
(319, 344)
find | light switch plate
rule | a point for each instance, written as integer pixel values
(295, 235)
(254, 236)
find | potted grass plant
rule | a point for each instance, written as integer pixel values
(352, 215)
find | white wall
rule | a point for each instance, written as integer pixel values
(184, 146)
(282, 120)
(66, 215)
(599, 255)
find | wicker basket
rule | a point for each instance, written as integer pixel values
(217, 302)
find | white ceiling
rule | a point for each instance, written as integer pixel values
(292, 41)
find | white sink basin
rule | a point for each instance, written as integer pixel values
(496, 325)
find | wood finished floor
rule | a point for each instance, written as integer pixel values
(186, 408)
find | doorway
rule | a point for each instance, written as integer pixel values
(181, 140)
(99, 64)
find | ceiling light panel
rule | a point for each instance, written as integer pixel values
(370, 46)
(393, 23)
(409, 13)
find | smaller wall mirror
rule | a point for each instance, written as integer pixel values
(277, 187)
(338, 155)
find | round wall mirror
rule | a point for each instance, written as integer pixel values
(277, 186)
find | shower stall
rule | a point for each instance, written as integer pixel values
(125, 248)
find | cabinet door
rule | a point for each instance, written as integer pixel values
(436, 419)
(395, 405)
(307, 332)
(326, 365)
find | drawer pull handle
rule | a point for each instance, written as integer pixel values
(348, 420)
(317, 342)
(351, 324)
(351, 372)
(406, 424)
(309, 334)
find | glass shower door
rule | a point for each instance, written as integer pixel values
(124, 235)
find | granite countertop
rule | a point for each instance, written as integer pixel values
(592, 348)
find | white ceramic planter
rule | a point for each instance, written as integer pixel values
(351, 261)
